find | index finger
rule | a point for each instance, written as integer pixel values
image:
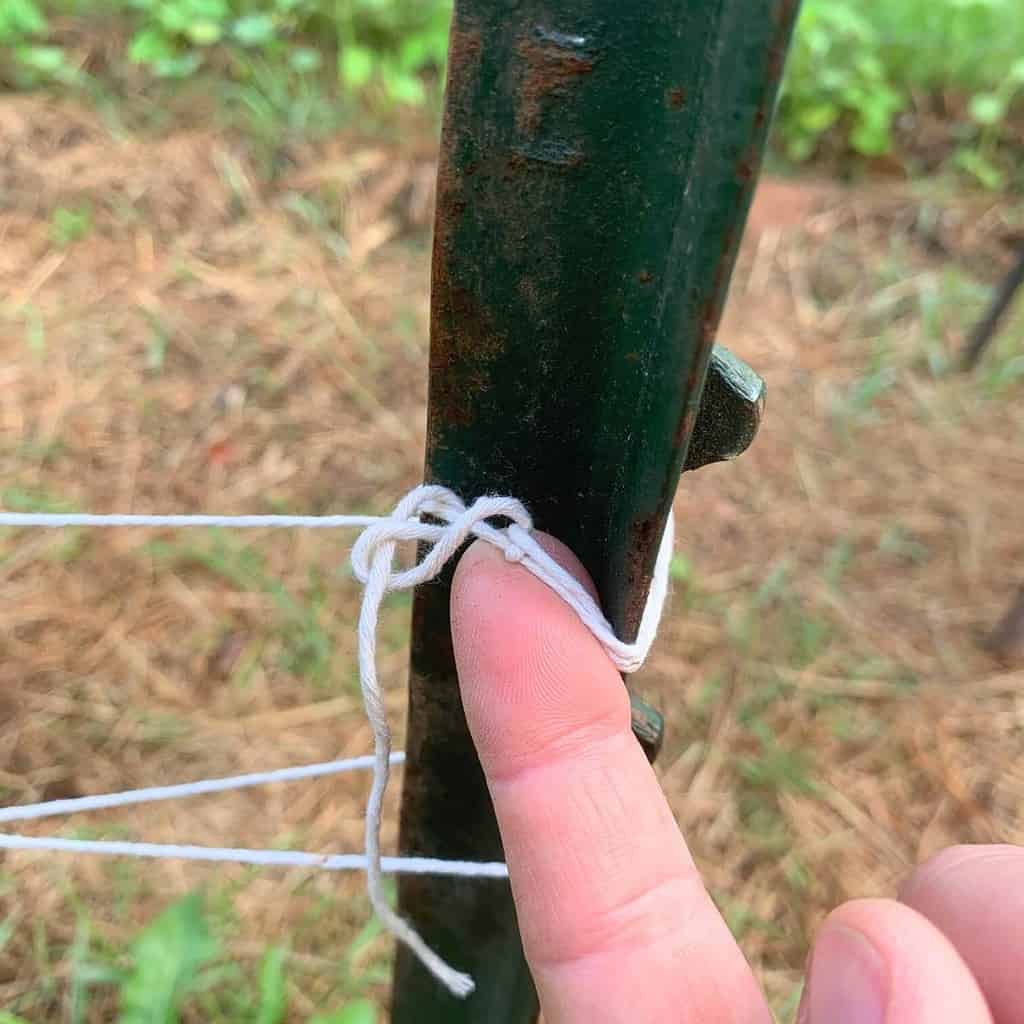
(616, 923)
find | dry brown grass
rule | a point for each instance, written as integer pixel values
(217, 344)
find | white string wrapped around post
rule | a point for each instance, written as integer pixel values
(373, 557)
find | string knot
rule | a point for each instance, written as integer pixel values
(453, 524)
(437, 517)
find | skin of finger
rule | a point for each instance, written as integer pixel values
(925, 979)
(616, 923)
(975, 896)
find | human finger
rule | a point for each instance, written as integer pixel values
(880, 962)
(616, 922)
(975, 896)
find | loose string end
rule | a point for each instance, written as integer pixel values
(461, 985)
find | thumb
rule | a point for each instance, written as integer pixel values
(615, 920)
(879, 962)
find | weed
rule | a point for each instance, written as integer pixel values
(25, 59)
(742, 920)
(795, 872)
(681, 568)
(7, 930)
(35, 330)
(787, 1007)
(273, 997)
(837, 560)
(178, 962)
(70, 224)
(856, 405)
(276, 105)
(362, 1011)
(856, 65)
(312, 211)
(898, 543)
(775, 767)
(808, 636)
(307, 648)
(71, 543)
(16, 499)
(835, 70)
(778, 613)
(167, 961)
(156, 346)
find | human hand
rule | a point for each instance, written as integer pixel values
(616, 923)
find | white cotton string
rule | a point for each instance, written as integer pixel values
(373, 557)
(57, 520)
(372, 561)
(260, 858)
(151, 794)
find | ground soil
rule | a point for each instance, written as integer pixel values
(216, 342)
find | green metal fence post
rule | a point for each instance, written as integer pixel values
(597, 162)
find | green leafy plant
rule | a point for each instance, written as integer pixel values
(29, 60)
(989, 110)
(361, 1011)
(70, 224)
(856, 65)
(380, 45)
(177, 964)
(273, 993)
(168, 958)
(391, 44)
(835, 72)
(175, 33)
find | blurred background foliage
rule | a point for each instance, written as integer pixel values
(919, 85)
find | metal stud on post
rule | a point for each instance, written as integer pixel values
(597, 162)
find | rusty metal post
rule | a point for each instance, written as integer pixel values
(597, 162)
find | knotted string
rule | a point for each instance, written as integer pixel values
(373, 557)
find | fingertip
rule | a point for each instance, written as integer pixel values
(483, 564)
(529, 670)
(974, 894)
(949, 870)
(877, 960)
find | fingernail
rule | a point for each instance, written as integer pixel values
(848, 982)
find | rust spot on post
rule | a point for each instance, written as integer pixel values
(675, 98)
(746, 169)
(464, 47)
(686, 425)
(645, 537)
(553, 62)
(463, 344)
